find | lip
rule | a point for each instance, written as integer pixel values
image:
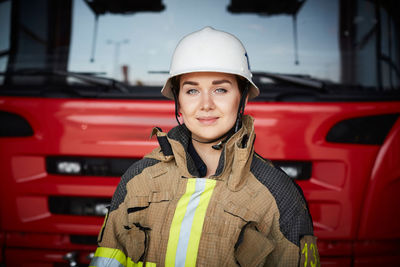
(207, 120)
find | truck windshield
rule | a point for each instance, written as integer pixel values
(341, 44)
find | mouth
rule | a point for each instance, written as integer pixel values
(207, 120)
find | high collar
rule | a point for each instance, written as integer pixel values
(237, 151)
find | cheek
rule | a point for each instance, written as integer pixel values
(181, 101)
(179, 108)
(185, 106)
(230, 107)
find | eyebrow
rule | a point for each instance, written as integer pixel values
(221, 81)
(190, 83)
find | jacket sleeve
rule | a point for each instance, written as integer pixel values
(116, 239)
(121, 243)
(297, 242)
(306, 240)
(287, 224)
(274, 249)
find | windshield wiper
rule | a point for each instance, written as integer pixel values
(304, 81)
(88, 77)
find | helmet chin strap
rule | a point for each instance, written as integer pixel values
(228, 134)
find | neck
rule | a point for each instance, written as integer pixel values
(209, 155)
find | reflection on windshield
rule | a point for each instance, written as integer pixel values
(343, 42)
(144, 42)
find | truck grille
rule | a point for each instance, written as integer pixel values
(82, 206)
(88, 166)
(83, 239)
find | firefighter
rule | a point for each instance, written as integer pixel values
(204, 197)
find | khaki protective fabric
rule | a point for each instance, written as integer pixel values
(242, 225)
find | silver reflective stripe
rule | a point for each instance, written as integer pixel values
(102, 261)
(187, 222)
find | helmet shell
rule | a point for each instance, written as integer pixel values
(210, 50)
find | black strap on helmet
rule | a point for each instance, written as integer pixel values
(238, 123)
(176, 105)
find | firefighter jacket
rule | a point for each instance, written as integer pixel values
(248, 214)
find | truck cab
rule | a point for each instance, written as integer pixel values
(80, 85)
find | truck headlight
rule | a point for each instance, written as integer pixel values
(69, 167)
(298, 170)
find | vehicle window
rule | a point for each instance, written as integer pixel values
(144, 42)
(5, 17)
(314, 46)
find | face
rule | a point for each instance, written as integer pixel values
(208, 102)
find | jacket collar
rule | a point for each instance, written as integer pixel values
(238, 151)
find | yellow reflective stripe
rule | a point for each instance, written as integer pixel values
(139, 264)
(175, 229)
(111, 253)
(130, 263)
(116, 254)
(198, 221)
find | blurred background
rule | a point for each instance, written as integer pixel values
(80, 85)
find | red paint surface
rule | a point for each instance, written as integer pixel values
(353, 193)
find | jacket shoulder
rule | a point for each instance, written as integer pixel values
(295, 220)
(134, 170)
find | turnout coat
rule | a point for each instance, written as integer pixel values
(248, 213)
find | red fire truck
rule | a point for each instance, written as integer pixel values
(80, 88)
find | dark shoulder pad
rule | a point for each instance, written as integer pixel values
(135, 169)
(295, 220)
(165, 145)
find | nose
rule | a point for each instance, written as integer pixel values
(207, 102)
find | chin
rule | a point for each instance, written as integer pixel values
(208, 133)
(208, 137)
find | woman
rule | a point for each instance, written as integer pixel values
(204, 198)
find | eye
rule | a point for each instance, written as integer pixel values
(192, 91)
(221, 90)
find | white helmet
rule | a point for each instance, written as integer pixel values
(210, 50)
